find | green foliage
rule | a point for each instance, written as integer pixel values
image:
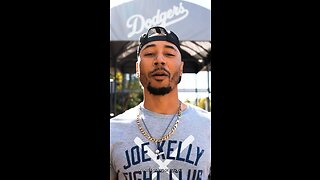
(119, 79)
(201, 102)
(129, 93)
(187, 101)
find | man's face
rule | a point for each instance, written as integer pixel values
(159, 67)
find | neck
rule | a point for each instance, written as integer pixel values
(167, 104)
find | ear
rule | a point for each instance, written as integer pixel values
(138, 69)
(181, 68)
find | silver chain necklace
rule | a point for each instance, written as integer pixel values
(164, 137)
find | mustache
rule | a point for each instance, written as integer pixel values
(160, 69)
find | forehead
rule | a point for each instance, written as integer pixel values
(162, 44)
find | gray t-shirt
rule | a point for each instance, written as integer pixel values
(186, 154)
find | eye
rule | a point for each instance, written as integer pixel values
(148, 54)
(169, 54)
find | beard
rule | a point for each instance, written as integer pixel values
(162, 90)
(159, 91)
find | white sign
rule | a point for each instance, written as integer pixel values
(164, 18)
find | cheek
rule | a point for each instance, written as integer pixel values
(143, 72)
(145, 67)
(177, 70)
(175, 77)
(143, 78)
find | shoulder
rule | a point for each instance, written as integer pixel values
(126, 117)
(196, 111)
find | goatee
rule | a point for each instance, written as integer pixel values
(159, 91)
(162, 90)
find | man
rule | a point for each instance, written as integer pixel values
(161, 138)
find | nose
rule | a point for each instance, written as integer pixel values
(159, 60)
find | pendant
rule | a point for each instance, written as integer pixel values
(158, 153)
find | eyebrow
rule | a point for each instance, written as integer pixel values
(150, 45)
(171, 47)
(166, 46)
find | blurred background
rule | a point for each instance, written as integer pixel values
(189, 19)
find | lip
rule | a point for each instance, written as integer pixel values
(159, 77)
(159, 73)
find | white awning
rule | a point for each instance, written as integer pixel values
(190, 20)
